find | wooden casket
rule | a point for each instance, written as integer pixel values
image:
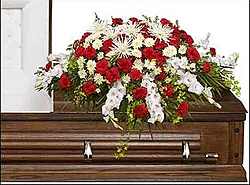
(50, 147)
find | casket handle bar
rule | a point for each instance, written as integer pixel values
(185, 149)
(87, 150)
(212, 155)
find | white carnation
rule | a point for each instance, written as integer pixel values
(182, 50)
(91, 66)
(150, 64)
(136, 53)
(81, 61)
(169, 51)
(137, 43)
(149, 42)
(82, 74)
(138, 64)
(97, 44)
(126, 79)
(98, 79)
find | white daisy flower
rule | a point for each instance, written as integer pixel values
(97, 44)
(149, 42)
(91, 66)
(157, 71)
(100, 55)
(136, 53)
(137, 43)
(122, 47)
(182, 50)
(126, 79)
(150, 64)
(98, 79)
(82, 74)
(81, 61)
(138, 64)
(162, 32)
(169, 51)
(129, 97)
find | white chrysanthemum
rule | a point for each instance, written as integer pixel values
(132, 29)
(82, 74)
(100, 55)
(136, 53)
(91, 66)
(81, 61)
(110, 33)
(137, 43)
(98, 26)
(126, 79)
(138, 64)
(162, 32)
(169, 51)
(122, 47)
(182, 50)
(140, 37)
(97, 44)
(149, 64)
(157, 71)
(98, 79)
(149, 42)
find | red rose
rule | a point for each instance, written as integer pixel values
(117, 21)
(125, 64)
(102, 67)
(141, 111)
(188, 39)
(183, 109)
(79, 52)
(64, 81)
(149, 53)
(140, 93)
(160, 44)
(89, 88)
(106, 45)
(206, 67)
(135, 75)
(48, 66)
(85, 35)
(89, 52)
(113, 74)
(174, 41)
(169, 91)
(134, 20)
(165, 21)
(193, 54)
(213, 52)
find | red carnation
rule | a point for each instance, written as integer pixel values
(149, 53)
(106, 45)
(165, 21)
(213, 52)
(79, 52)
(169, 92)
(89, 88)
(48, 66)
(135, 75)
(146, 35)
(193, 54)
(117, 21)
(176, 32)
(102, 67)
(141, 111)
(188, 39)
(206, 67)
(89, 52)
(140, 93)
(64, 81)
(113, 74)
(134, 20)
(161, 76)
(174, 41)
(160, 44)
(183, 109)
(145, 28)
(85, 35)
(125, 64)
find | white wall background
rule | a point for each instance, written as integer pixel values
(226, 20)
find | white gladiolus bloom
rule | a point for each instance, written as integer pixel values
(208, 94)
(183, 62)
(56, 71)
(169, 51)
(196, 87)
(98, 79)
(91, 66)
(136, 53)
(82, 73)
(138, 64)
(97, 44)
(182, 50)
(81, 61)
(204, 43)
(175, 62)
(149, 42)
